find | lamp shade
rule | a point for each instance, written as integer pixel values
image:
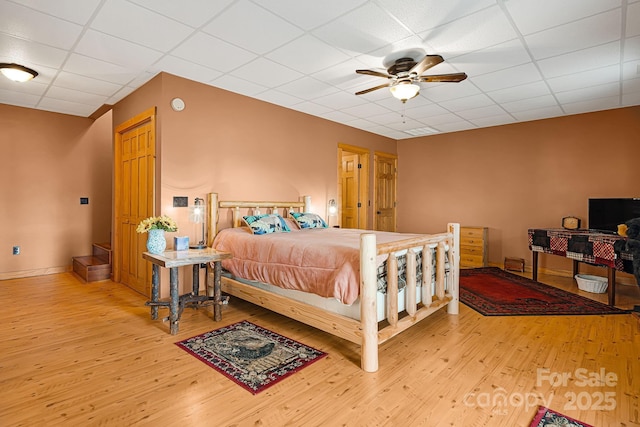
(17, 73)
(404, 90)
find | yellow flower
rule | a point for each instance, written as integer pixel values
(157, 222)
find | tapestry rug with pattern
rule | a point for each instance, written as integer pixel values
(494, 292)
(251, 356)
(546, 417)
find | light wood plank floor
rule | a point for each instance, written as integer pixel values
(89, 355)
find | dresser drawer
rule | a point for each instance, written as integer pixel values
(472, 232)
(471, 241)
(471, 260)
(472, 250)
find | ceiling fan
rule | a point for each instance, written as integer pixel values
(405, 73)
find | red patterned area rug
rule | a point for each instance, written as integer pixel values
(495, 292)
(545, 417)
(251, 356)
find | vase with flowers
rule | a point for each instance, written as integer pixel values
(155, 227)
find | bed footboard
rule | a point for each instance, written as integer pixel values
(446, 252)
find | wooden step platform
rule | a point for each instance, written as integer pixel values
(94, 267)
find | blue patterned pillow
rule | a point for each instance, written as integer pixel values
(308, 220)
(265, 224)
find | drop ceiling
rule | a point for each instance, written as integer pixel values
(526, 59)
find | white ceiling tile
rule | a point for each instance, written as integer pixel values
(186, 69)
(533, 16)
(420, 15)
(633, 20)
(422, 111)
(116, 51)
(519, 75)
(476, 113)
(312, 108)
(497, 120)
(538, 114)
(309, 53)
(70, 10)
(456, 127)
(279, 98)
(96, 69)
(338, 116)
(342, 75)
(468, 102)
(251, 27)
(307, 88)
(212, 52)
(65, 107)
(362, 30)
(587, 59)
(592, 105)
(530, 103)
(631, 86)
(120, 95)
(136, 24)
(34, 87)
(20, 99)
(29, 24)
(525, 91)
(77, 96)
(339, 100)
(234, 84)
(479, 30)
(632, 49)
(576, 35)
(266, 73)
(85, 84)
(588, 93)
(30, 54)
(195, 13)
(585, 79)
(309, 15)
(494, 58)
(445, 91)
(631, 99)
(441, 119)
(367, 110)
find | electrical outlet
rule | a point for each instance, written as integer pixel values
(16, 250)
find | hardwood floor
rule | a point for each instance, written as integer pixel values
(88, 354)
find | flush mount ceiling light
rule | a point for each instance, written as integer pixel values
(404, 90)
(17, 73)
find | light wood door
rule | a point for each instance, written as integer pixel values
(385, 167)
(349, 183)
(353, 188)
(134, 199)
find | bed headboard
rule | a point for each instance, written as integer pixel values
(214, 205)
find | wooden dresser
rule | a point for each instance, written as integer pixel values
(473, 247)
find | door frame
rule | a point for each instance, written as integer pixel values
(363, 182)
(146, 116)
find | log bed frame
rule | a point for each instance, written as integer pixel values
(367, 332)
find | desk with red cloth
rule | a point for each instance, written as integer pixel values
(588, 246)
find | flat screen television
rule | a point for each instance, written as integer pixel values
(606, 214)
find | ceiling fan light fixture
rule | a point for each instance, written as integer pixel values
(404, 90)
(17, 73)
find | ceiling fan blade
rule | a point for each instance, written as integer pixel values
(443, 78)
(362, 92)
(426, 63)
(374, 73)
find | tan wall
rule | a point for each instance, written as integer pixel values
(512, 178)
(240, 147)
(49, 161)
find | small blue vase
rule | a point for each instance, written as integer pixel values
(156, 244)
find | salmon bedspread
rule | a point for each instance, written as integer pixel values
(322, 261)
